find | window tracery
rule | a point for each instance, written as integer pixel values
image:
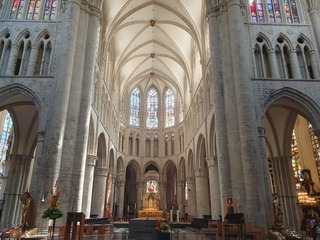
(135, 107)
(152, 109)
(169, 101)
(274, 11)
(36, 9)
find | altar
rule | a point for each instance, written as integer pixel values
(150, 213)
(151, 202)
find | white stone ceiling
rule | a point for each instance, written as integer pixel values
(164, 49)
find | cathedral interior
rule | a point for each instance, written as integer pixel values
(133, 108)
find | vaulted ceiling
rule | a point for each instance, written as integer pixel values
(153, 41)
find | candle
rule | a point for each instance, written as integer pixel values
(165, 206)
(135, 206)
(178, 216)
(128, 208)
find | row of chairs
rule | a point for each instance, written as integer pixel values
(220, 230)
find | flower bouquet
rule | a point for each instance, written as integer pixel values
(53, 211)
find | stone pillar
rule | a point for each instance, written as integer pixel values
(99, 191)
(88, 185)
(32, 60)
(54, 140)
(266, 177)
(218, 85)
(315, 19)
(12, 60)
(314, 64)
(139, 195)
(121, 198)
(192, 210)
(202, 194)
(114, 196)
(214, 187)
(273, 64)
(180, 197)
(295, 68)
(246, 170)
(16, 185)
(163, 194)
(80, 100)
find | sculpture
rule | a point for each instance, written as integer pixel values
(27, 202)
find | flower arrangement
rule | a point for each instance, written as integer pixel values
(53, 211)
(165, 226)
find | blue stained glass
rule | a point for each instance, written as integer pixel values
(169, 100)
(135, 107)
(152, 109)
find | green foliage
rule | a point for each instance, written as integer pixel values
(52, 213)
(164, 226)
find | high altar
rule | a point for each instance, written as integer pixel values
(151, 202)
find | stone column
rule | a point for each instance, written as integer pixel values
(202, 194)
(180, 196)
(114, 196)
(121, 198)
(163, 193)
(32, 60)
(99, 191)
(12, 60)
(139, 195)
(80, 101)
(266, 177)
(214, 187)
(54, 140)
(192, 210)
(314, 64)
(16, 185)
(88, 185)
(295, 67)
(315, 19)
(273, 64)
(248, 169)
(219, 106)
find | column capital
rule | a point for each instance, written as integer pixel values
(91, 159)
(190, 180)
(122, 182)
(102, 171)
(139, 183)
(180, 182)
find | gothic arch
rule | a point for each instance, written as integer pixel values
(301, 102)
(190, 164)
(101, 151)
(201, 152)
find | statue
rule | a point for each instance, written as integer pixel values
(278, 220)
(27, 202)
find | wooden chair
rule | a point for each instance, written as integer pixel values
(102, 229)
(214, 228)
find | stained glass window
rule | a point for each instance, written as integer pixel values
(169, 101)
(152, 109)
(33, 9)
(5, 141)
(291, 11)
(17, 8)
(272, 10)
(256, 8)
(180, 109)
(152, 186)
(315, 146)
(50, 9)
(135, 107)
